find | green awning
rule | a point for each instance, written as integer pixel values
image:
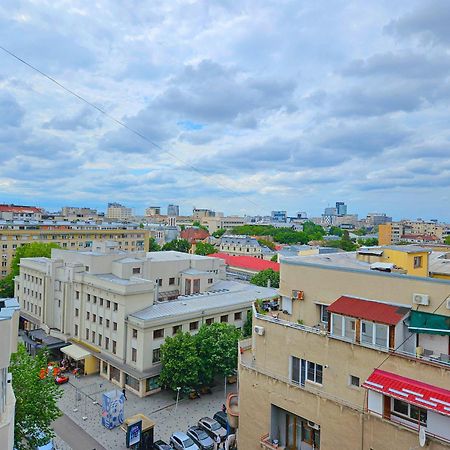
(422, 322)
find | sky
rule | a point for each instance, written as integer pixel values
(246, 106)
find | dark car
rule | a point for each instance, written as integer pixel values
(222, 418)
(212, 427)
(201, 438)
(161, 445)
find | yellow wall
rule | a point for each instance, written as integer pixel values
(385, 234)
(91, 365)
(405, 260)
(442, 276)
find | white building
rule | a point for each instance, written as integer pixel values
(9, 320)
(118, 211)
(117, 307)
(241, 245)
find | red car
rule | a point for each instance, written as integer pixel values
(61, 379)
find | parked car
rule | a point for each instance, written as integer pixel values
(161, 445)
(61, 379)
(222, 418)
(181, 441)
(212, 427)
(201, 438)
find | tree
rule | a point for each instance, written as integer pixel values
(153, 246)
(204, 248)
(369, 242)
(266, 243)
(180, 362)
(274, 258)
(179, 245)
(36, 399)
(217, 347)
(447, 240)
(335, 231)
(197, 224)
(34, 249)
(262, 278)
(219, 233)
(247, 329)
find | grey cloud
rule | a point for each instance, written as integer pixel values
(86, 118)
(430, 22)
(11, 113)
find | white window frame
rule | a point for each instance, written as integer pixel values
(374, 334)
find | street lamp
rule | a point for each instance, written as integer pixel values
(178, 396)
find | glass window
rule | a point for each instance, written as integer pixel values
(400, 407)
(324, 316)
(157, 334)
(156, 355)
(336, 321)
(132, 382)
(193, 326)
(176, 329)
(238, 316)
(381, 337)
(349, 324)
(171, 281)
(366, 332)
(224, 318)
(295, 369)
(152, 383)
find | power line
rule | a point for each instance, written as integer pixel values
(122, 124)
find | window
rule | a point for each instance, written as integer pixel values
(314, 372)
(108, 303)
(114, 326)
(101, 301)
(224, 318)
(88, 297)
(107, 323)
(136, 270)
(209, 321)
(87, 333)
(302, 370)
(94, 317)
(76, 330)
(210, 280)
(171, 281)
(93, 337)
(193, 326)
(77, 295)
(116, 306)
(114, 347)
(87, 315)
(94, 299)
(156, 355)
(100, 320)
(374, 334)
(176, 329)
(159, 281)
(417, 262)
(77, 312)
(158, 334)
(408, 412)
(134, 333)
(353, 381)
(100, 339)
(107, 343)
(133, 355)
(238, 316)
(323, 313)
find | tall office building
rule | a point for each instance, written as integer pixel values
(279, 216)
(173, 210)
(341, 208)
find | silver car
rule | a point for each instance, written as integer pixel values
(181, 441)
(201, 438)
(213, 428)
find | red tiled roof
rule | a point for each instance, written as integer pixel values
(423, 237)
(194, 234)
(368, 310)
(248, 262)
(412, 391)
(19, 209)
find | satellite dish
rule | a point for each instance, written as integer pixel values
(422, 437)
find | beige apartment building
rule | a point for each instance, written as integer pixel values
(356, 358)
(69, 236)
(9, 320)
(412, 231)
(241, 246)
(117, 211)
(228, 223)
(116, 308)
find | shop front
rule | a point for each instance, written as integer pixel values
(82, 358)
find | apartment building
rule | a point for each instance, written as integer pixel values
(19, 212)
(9, 319)
(357, 358)
(117, 211)
(116, 307)
(412, 231)
(200, 213)
(75, 212)
(73, 236)
(153, 211)
(241, 245)
(228, 223)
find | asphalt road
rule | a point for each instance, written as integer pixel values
(74, 435)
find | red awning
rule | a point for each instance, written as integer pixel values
(411, 391)
(247, 262)
(368, 310)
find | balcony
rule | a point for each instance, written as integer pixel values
(267, 444)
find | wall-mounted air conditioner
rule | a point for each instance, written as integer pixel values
(259, 330)
(421, 299)
(313, 425)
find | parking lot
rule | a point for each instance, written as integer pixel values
(82, 397)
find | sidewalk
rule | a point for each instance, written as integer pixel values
(159, 407)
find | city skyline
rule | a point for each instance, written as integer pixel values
(274, 112)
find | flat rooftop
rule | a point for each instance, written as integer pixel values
(222, 295)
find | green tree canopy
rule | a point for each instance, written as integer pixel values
(369, 242)
(267, 243)
(274, 258)
(204, 248)
(217, 347)
(197, 224)
(34, 249)
(447, 240)
(36, 399)
(179, 245)
(335, 231)
(247, 328)
(262, 278)
(180, 362)
(153, 246)
(219, 233)
(345, 243)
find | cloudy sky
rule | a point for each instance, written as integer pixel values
(247, 106)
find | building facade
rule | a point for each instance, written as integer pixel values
(241, 245)
(9, 319)
(173, 210)
(117, 211)
(153, 211)
(74, 212)
(18, 212)
(412, 231)
(117, 307)
(73, 236)
(357, 359)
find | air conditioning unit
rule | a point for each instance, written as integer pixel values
(259, 330)
(421, 299)
(297, 295)
(313, 425)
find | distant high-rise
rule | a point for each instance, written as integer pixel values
(173, 210)
(341, 208)
(118, 211)
(153, 211)
(279, 216)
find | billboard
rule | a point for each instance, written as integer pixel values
(134, 432)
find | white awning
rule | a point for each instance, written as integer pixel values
(75, 352)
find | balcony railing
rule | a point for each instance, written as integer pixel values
(442, 359)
